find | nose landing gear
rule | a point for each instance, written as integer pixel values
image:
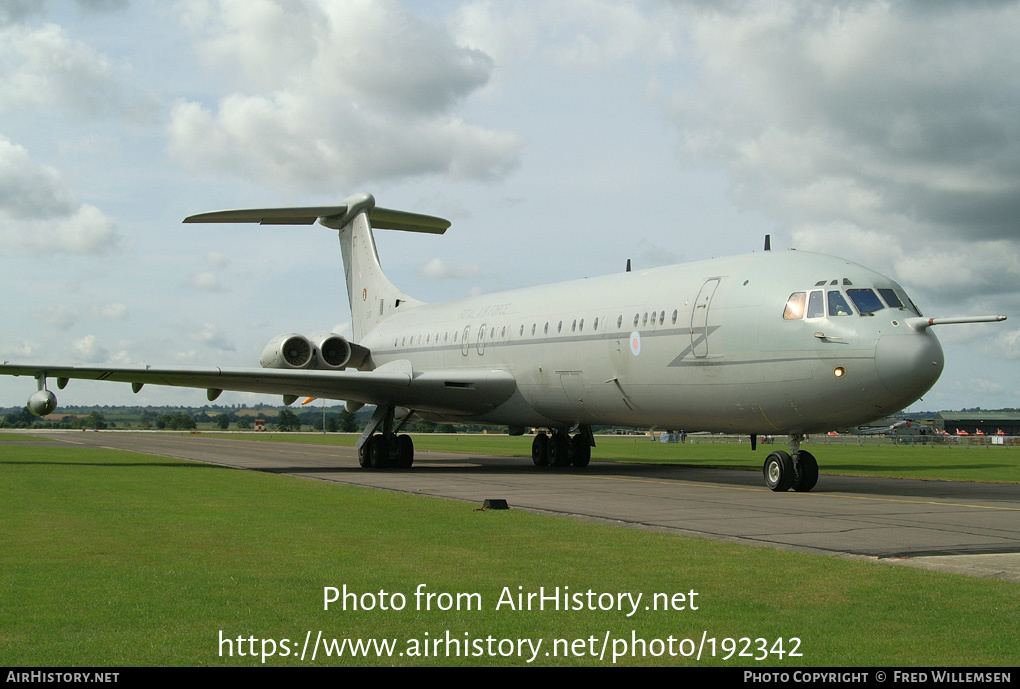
(795, 469)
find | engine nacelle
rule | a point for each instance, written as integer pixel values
(287, 351)
(42, 402)
(337, 352)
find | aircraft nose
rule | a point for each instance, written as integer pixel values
(909, 364)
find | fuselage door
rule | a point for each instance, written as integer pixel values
(699, 318)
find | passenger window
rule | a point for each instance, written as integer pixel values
(866, 301)
(674, 316)
(580, 326)
(795, 306)
(838, 305)
(816, 305)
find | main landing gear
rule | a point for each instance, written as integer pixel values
(385, 449)
(795, 469)
(560, 449)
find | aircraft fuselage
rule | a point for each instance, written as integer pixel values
(698, 346)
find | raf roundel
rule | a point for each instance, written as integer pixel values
(635, 343)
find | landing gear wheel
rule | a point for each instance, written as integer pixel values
(378, 451)
(805, 472)
(363, 458)
(778, 471)
(405, 451)
(582, 450)
(540, 450)
(559, 450)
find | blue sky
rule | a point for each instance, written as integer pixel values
(559, 136)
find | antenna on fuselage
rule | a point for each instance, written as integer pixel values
(768, 242)
(628, 265)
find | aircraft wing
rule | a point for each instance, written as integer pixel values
(464, 392)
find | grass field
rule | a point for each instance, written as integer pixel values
(956, 463)
(111, 558)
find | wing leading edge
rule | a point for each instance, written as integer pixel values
(447, 392)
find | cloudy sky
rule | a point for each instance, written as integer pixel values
(559, 136)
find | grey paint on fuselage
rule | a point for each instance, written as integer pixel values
(728, 362)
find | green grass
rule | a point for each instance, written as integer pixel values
(21, 438)
(956, 463)
(115, 558)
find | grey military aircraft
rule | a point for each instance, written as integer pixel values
(773, 342)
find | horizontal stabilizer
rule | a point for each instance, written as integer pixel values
(330, 216)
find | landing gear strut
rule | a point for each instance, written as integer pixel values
(385, 449)
(560, 449)
(795, 469)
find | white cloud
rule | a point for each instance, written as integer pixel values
(1005, 345)
(43, 68)
(438, 269)
(61, 317)
(88, 350)
(885, 133)
(575, 34)
(330, 94)
(113, 312)
(40, 215)
(216, 259)
(211, 336)
(18, 352)
(206, 282)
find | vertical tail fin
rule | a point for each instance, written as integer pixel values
(372, 296)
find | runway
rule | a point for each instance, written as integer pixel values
(967, 528)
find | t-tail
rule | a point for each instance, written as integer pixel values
(372, 296)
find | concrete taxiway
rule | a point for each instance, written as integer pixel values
(967, 528)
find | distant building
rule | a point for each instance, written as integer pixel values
(970, 422)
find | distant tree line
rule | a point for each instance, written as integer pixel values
(224, 417)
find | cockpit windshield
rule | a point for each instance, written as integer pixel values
(866, 301)
(833, 302)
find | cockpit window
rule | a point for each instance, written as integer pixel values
(866, 301)
(795, 306)
(909, 302)
(890, 298)
(838, 305)
(816, 305)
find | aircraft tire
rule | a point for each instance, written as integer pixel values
(559, 450)
(405, 451)
(805, 472)
(540, 450)
(778, 471)
(378, 452)
(363, 457)
(582, 450)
